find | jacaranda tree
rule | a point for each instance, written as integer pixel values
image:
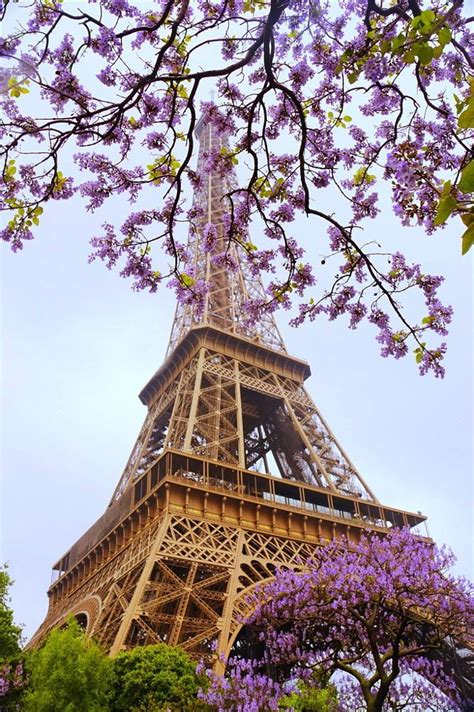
(366, 101)
(374, 618)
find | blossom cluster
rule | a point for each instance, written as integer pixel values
(377, 615)
(12, 679)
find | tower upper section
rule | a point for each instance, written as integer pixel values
(228, 391)
(217, 261)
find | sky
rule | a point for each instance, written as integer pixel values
(78, 345)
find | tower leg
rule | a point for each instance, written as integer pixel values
(131, 610)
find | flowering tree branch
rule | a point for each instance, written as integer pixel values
(106, 84)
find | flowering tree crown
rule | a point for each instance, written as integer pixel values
(350, 100)
(378, 618)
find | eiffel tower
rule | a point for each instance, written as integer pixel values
(234, 473)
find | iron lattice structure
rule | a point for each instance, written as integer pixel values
(197, 520)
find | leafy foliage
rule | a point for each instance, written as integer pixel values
(10, 634)
(318, 103)
(372, 617)
(155, 678)
(69, 673)
(11, 659)
(311, 698)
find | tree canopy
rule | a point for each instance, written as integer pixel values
(11, 659)
(373, 618)
(10, 634)
(71, 673)
(357, 105)
(68, 673)
(155, 678)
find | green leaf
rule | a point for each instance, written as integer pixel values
(447, 185)
(358, 176)
(466, 184)
(427, 17)
(398, 41)
(444, 35)
(399, 336)
(187, 280)
(425, 54)
(409, 57)
(361, 176)
(353, 78)
(445, 208)
(467, 218)
(466, 119)
(467, 239)
(418, 354)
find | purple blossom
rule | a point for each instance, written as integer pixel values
(357, 312)
(191, 294)
(107, 76)
(106, 43)
(12, 679)
(300, 73)
(15, 237)
(244, 689)
(209, 237)
(339, 303)
(225, 260)
(354, 614)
